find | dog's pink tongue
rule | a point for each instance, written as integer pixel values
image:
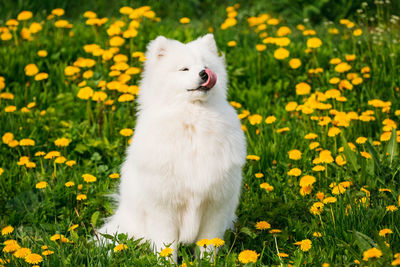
(212, 79)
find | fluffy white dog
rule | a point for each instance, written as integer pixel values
(181, 178)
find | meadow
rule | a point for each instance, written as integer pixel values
(319, 105)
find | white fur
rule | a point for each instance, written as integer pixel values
(181, 178)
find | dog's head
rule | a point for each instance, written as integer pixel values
(177, 72)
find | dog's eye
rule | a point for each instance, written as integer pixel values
(184, 69)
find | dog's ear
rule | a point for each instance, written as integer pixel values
(156, 49)
(209, 42)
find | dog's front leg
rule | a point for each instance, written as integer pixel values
(162, 230)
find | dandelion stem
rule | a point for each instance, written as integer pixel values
(233, 243)
(277, 249)
(333, 218)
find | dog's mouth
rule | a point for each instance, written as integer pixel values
(210, 79)
(200, 88)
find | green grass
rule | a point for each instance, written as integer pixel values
(263, 85)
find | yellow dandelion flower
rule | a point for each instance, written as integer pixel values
(42, 53)
(262, 225)
(166, 252)
(73, 227)
(11, 247)
(294, 63)
(69, 184)
(274, 231)
(235, 104)
(396, 262)
(310, 136)
(99, 96)
(267, 187)
(328, 200)
(126, 98)
(317, 234)
(372, 253)
(31, 69)
(232, 43)
(60, 160)
(58, 12)
(5, 36)
(24, 15)
(357, 32)
(340, 160)
(114, 176)
(294, 154)
(333, 131)
(294, 172)
(350, 57)
(41, 76)
(282, 130)
(303, 88)
(391, 208)
(71, 70)
(385, 190)
(357, 81)
(184, 20)
(85, 93)
(126, 132)
(70, 163)
(41, 185)
(255, 119)
(22, 253)
(26, 142)
(217, 242)
(7, 138)
(253, 157)
(120, 247)
(261, 47)
(281, 53)
(385, 136)
(282, 255)
(117, 41)
(314, 42)
(247, 256)
(385, 231)
(47, 252)
(63, 142)
(291, 106)
(7, 230)
(87, 74)
(307, 180)
(270, 119)
(259, 175)
(339, 189)
(30, 165)
(305, 245)
(10, 241)
(56, 237)
(342, 67)
(365, 154)
(318, 168)
(62, 23)
(125, 10)
(33, 258)
(361, 140)
(203, 242)
(89, 178)
(81, 197)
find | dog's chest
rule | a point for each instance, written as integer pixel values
(201, 151)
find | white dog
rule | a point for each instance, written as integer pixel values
(181, 178)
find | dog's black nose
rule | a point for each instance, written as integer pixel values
(203, 75)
